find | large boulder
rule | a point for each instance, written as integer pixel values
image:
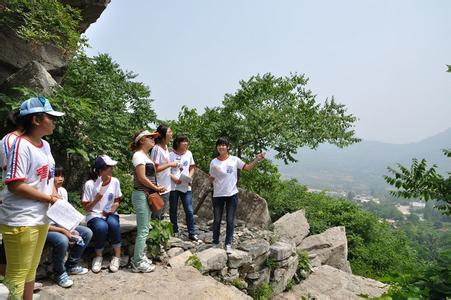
(252, 209)
(328, 248)
(90, 10)
(282, 276)
(33, 76)
(213, 259)
(326, 282)
(292, 227)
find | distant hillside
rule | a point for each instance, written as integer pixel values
(361, 167)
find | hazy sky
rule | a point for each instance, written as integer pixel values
(384, 59)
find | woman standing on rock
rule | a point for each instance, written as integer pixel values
(224, 176)
(101, 198)
(144, 182)
(163, 165)
(29, 180)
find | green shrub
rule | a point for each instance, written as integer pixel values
(271, 263)
(239, 283)
(303, 264)
(43, 21)
(194, 262)
(159, 235)
(262, 292)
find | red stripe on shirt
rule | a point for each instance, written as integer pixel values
(13, 175)
(14, 179)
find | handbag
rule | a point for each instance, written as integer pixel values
(155, 201)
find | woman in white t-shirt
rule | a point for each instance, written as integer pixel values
(144, 182)
(29, 180)
(224, 176)
(181, 177)
(160, 156)
(101, 198)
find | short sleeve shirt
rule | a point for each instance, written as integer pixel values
(110, 192)
(185, 160)
(140, 158)
(5, 146)
(161, 156)
(226, 175)
(34, 165)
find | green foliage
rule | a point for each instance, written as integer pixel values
(43, 21)
(449, 68)
(271, 263)
(422, 182)
(194, 262)
(267, 112)
(159, 235)
(262, 292)
(239, 283)
(303, 264)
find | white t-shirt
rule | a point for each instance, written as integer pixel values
(5, 146)
(140, 158)
(226, 175)
(110, 192)
(161, 156)
(186, 160)
(33, 164)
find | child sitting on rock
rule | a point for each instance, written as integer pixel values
(61, 239)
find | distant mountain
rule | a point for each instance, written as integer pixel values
(361, 167)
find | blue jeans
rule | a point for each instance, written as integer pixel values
(218, 207)
(60, 243)
(106, 229)
(187, 201)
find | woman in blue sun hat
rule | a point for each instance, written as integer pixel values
(30, 191)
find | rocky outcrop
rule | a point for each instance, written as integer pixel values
(33, 76)
(328, 248)
(326, 282)
(16, 53)
(252, 209)
(292, 227)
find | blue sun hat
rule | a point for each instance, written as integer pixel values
(38, 105)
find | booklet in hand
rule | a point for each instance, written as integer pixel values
(65, 215)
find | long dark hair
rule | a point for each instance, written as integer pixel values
(162, 130)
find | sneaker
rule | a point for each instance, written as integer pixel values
(97, 264)
(64, 280)
(146, 259)
(228, 248)
(215, 246)
(78, 270)
(142, 267)
(114, 264)
(37, 286)
(194, 238)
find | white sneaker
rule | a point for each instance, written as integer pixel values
(142, 267)
(114, 264)
(97, 264)
(228, 248)
(148, 260)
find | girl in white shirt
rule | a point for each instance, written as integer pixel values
(224, 176)
(101, 198)
(160, 156)
(29, 180)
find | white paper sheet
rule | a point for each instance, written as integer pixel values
(65, 215)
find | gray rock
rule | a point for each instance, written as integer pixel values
(330, 247)
(237, 258)
(180, 260)
(90, 10)
(280, 251)
(282, 276)
(255, 247)
(213, 259)
(33, 76)
(292, 227)
(329, 283)
(175, 251)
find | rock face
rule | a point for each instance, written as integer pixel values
(328, 248)
(292, 227)
(213, 259)
(252, 209)
(326, 282)
(182, 283)
(16, 53)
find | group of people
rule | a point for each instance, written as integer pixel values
(33, 182)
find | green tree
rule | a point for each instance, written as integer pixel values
(422, 182)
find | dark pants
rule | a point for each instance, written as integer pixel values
(231, 204)
(60, 244)
(104, 230)
(187, 201)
